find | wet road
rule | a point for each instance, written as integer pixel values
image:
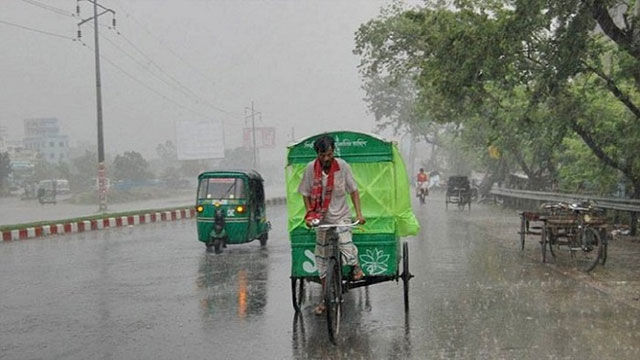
(16, 211)
(151, 292)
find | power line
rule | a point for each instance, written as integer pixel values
(164, 44)
(49, 8)
(177, 82)
(179, 87)
(37, 30)
(141, 83)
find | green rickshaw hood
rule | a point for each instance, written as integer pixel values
(380, 174)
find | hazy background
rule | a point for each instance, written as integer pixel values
(184, 60)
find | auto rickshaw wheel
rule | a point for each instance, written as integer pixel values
(217, 245)
(263, 238)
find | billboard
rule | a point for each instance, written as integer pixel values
(265, 138)
(199, 139)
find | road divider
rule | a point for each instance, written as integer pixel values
(106, 221)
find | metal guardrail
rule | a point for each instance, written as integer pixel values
(603, 202)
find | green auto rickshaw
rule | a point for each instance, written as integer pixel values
(230, 209)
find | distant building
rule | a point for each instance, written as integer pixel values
(43, 135)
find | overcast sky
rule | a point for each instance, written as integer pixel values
(184, 60)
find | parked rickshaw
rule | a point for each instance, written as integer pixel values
(582, 227)
(384, 189)
(230, 208)
(458, 192)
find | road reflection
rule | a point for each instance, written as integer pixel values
(233, 283)
(358, 339)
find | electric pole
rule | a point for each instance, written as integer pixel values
(253, 132)
(102, 182)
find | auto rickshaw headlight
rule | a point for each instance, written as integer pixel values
(199, 208)
(240, 209)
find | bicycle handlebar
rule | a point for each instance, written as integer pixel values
(326, 226)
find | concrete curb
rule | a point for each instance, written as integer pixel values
(110, 222)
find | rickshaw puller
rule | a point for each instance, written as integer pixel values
(324, 186)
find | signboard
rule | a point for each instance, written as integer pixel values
(200, 139)
(265, 138)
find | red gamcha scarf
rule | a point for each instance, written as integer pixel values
(319, 206)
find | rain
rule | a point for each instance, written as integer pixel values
(136, 135)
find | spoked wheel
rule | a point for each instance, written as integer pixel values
(543, 243)
(333, 299)
(297, 293)
(605, 245)
(592, 249)
(406, 275)
(523, 228)
(551, 242)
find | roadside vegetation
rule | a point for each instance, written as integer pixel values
(549, 89)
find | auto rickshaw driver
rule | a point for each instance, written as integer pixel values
(324, 186)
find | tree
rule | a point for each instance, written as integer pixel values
(84, 171)
(5, 170)
(522, 76)
(131, 166)
(238, 158)
(167, 152)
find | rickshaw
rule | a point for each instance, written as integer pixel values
(384, 190)
(458, 192)
(230, 209)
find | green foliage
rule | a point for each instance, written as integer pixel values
(131, 166)
(521, 76)
(581, 171)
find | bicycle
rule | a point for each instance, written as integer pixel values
(334, 284)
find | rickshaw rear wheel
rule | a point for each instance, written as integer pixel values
(591, 239)
(297, 293)
(543, 243)
(406, 275)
